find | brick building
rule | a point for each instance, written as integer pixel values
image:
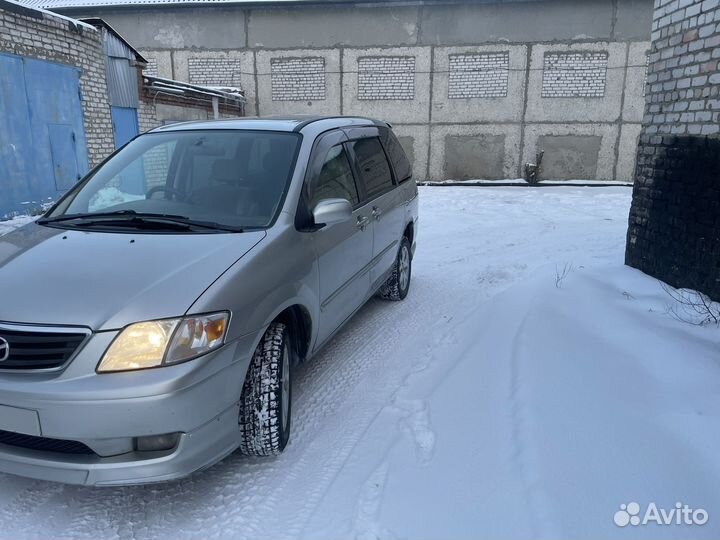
(54, 113)
(674, 228)
(473, 88)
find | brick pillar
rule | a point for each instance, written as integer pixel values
(674, 225)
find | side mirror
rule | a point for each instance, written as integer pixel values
(330, 211)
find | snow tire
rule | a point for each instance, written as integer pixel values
(398, 284)
(265, 403)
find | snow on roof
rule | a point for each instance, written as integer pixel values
(171, 86)
(36, 6)
(59, 4)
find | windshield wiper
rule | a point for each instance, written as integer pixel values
(131, 218)
(96, 215)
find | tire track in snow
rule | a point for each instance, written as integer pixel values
(366, 524)
(412, 420)
(535, 496)
(416, 422)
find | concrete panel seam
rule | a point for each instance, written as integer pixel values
(257, 88)
(579, 41)
(526, 89)
(622, 109)
(430, 108)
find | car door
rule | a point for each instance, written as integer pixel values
(382, 198)
(344, 250)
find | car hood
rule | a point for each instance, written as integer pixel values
(108, 280)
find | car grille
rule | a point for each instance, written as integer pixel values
(38, 350)
(43, 444)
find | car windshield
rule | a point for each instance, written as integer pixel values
(231, 179)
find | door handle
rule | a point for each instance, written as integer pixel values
(362, 222)
(376, 213)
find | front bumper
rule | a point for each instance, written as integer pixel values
(198, 399)
(196, 450)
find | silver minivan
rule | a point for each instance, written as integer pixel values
(150, 320)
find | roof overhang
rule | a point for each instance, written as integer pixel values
(83, 5)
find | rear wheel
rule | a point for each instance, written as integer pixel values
(265, 403)
(398, 284)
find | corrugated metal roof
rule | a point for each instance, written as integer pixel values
(75, 4)
(116, 47)
(14, 5)
(59, 4)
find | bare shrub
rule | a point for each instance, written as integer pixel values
(562, 273)
(692, 307)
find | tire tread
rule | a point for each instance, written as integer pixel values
(390, 290)
(260, 402)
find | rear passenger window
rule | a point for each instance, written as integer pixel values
(335, 180)
(373, 166)
(398, 158)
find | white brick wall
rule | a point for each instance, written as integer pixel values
(298, 79)
(577, 74)
(483, 75)
(152, 67)
(386, 77)
(214, 71)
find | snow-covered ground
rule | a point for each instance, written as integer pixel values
(8, 225)
(499, 400)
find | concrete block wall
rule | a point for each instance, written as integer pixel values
(402, 109)
(44, 36)
(232, 68)
(460, 81)
(674, 224)
(275, 85)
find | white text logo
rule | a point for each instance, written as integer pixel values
(680, 514)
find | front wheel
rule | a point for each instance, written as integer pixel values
(398, 284)
(265, 403)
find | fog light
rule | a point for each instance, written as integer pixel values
(157, 443)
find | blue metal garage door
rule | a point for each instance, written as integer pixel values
(125, 124)
(42, 140)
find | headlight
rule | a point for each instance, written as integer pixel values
(160, 343)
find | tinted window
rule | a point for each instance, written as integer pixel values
(335, 180)
(373, 166)
(400, 162)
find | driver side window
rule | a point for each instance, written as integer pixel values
(335, 180)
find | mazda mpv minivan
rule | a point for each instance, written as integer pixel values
(151, 319)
